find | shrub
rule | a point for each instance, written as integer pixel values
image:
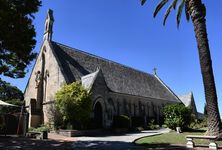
(139, 129)
(177, 115)
(121, 121)
(151, 125)
(198, 124)
(74, 103)
(137, 121)
(40, 129)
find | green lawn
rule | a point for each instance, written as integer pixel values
(172, 138)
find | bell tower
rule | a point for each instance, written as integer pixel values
(48, 26)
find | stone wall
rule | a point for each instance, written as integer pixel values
(114, 104)
(52, 81)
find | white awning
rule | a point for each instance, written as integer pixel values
(6, 104)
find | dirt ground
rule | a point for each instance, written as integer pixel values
(54, 142)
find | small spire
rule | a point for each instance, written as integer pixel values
(50, 14)
(155, 71)
(97, 68)
(49, 25)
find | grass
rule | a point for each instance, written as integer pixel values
(174, 139)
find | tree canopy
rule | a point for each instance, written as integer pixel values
(173, 5)
(10, 94)
(177, 115)
(17, 35)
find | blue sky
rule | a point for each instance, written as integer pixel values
(125, 32)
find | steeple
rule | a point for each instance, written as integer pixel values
(48, 26)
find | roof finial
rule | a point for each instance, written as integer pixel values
(49, 25)
(97, 68)
(154, 70)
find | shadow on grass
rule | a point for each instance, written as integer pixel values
(168, 146)
(23, 143)
(194, 130)
(163, 146)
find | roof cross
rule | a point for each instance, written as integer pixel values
(154, 70)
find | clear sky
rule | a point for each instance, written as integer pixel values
(125, 32)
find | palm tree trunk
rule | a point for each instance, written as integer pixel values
(197, 12)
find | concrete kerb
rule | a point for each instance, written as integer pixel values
(161, 132)
(134, 142)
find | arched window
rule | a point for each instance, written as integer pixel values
(148, 109)
(130, 109)
(134, 108)
(118, 107)
(40, 87)
(111, 103)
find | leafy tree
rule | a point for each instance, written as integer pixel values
(177, 115)
(17, 36)
(8, 92)
(196, 10)
(74, 103)
(12, 95)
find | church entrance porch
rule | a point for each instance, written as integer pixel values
(98, 115)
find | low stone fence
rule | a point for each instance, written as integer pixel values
(94, 132)
(73, 133)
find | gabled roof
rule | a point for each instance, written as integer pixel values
(119, 78)
(186, 99)
(88, 80)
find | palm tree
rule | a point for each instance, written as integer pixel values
(196, 10)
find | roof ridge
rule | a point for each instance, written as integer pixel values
(168, 88)
(105, 59)
(95, 74)
(186, 94)
(119, 78)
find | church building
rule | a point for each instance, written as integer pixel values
(116, 89)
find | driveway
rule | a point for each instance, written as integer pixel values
(117, 142)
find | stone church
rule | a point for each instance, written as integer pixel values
(116, 89)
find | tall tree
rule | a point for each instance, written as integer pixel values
(196, 10)
(17, 36)
(12, 95)
(9, 92)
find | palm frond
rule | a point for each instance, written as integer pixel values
(187, 13)
(172, 5)
(179, 12)
(142, 2)
(159, 6)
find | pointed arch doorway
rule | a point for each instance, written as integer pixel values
(98, 115)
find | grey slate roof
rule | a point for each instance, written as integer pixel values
(186, 99)
(88, 80)
(119, 78)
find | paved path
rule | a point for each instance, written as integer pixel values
(118, 142)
